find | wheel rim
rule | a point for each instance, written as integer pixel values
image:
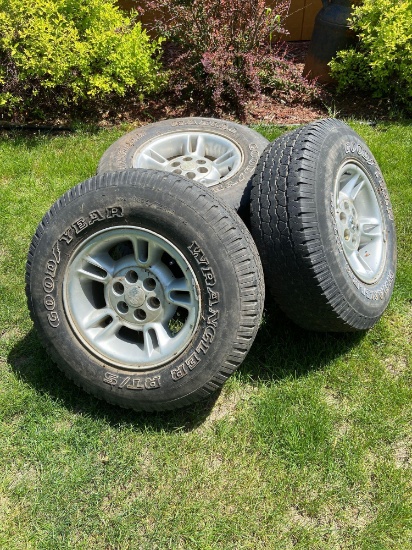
(203, 157)
(131, 297)
(359, 222)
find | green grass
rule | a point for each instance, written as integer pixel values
(308, 446)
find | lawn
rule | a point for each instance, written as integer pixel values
(308, 445)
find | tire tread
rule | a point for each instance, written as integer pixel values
(285, 228)
(232, 234)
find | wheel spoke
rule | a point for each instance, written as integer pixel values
(155, 253)
(140, 250)
(181, 285)
(93, 275)
(149, 341)
(359, 260)
(156, 338)
(370, 228)
(187, 145)
(356, 189)
(98, 268)
(200, 149)
(108, 331)
(371, 251)
(162, 335)
(178, 293)
(154, 160)
(182, 299)
(352, 187)
(95, 318)
(212, 177)
(146, 252)
(223, 163)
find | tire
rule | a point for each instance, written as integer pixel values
(314, 192)
(133, 302)
(167, 145)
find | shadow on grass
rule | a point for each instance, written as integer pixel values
(30, 136)
(281, 350)
(32, 364)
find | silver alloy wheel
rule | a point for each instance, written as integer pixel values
(360, 222)
(205, 157)
(131, 297)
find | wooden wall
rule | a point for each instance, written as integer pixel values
(301, 18)
(299, 22)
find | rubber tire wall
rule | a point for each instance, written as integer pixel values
(222, 256)
(235, 190)
(293, 226)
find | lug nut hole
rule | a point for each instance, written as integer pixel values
(118, 288)
(122, 307)
(149, 283)
(140, 314)
(131, 276)
(342, 217)
(153, 302)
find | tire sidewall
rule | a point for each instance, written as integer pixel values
(234, 189)
(219, 313)
(343, 146)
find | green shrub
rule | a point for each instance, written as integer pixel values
(381, 63)
(228, 52)
(64, 52)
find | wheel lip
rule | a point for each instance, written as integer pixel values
(378, 270)
(179, 133)
(150, 366)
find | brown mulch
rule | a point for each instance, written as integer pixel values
(263, 110)
(271, 111)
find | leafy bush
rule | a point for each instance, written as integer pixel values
(66, 51)
(381, 63)
(226, 51)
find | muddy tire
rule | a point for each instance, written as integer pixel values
(323, 224)
(219, 154)
(133, 302)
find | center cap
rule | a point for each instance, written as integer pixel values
(135, 296)
(188, 165)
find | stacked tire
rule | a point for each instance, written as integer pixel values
(146, 286)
